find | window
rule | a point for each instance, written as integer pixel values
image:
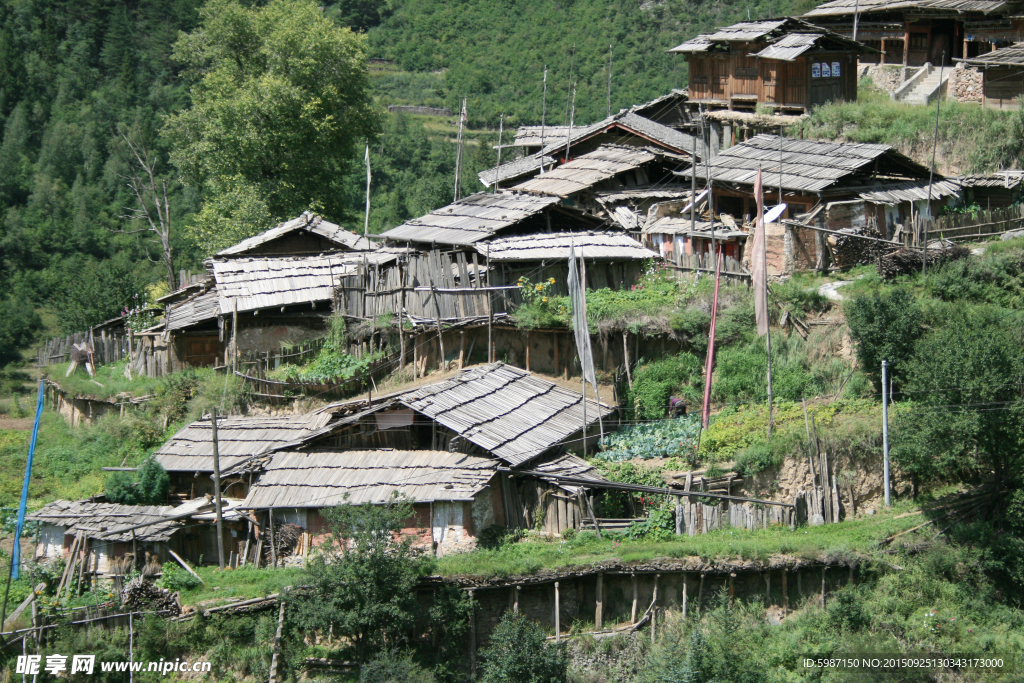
(918, 41)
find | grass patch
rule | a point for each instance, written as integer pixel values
(972, 139)
(244, 583)
(858, 536)
(108, 382)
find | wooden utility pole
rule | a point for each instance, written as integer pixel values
(216, 487)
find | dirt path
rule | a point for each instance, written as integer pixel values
(19, 423)
(829, 291)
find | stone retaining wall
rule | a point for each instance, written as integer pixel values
(965, 84)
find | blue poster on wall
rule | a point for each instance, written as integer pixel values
(825, 71)
(835, 69)
(815, 70)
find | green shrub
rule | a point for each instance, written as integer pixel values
(518, 653)
(177, 579)
(885, 325)
(391, 666)
(654, 383)
(148, 487)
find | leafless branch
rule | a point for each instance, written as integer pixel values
(149, 192)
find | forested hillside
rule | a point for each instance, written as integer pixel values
(495, 53)
(79, 80)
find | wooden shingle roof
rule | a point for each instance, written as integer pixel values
(507, 411)
(238, 438)
(842, 7)
(471, 219)
(604, 246)
(255, 283)
(204, 305)
(586, 171)
(807, 165)
(307, 222)
(324, 478)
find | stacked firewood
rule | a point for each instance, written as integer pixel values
(286, 538)
(140, 594)
(906, 261)
(849, 250)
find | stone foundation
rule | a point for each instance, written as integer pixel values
(886, 77)
(965, 84)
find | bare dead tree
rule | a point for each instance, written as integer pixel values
(153, 208)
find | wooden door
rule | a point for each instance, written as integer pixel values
(771, 88)
(202, 352)
(719, 78)
(745, 75)
(796, 83)
(699, 77)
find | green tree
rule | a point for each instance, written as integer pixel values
(149, 486)
(965, 417)
(280, 102)
(92, 291)
(518, 653)
(885, 326)
(363, 579)
(18, 325)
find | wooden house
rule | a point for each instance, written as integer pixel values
(625, 129)
(484, 216)
(668, 110)
(992, 190)
(614, 259)
(494, 410)
(455, 496)
(284, 272)
(588, 181)
(787, 64)
(306, 235)
(824, 185)
(918, 32)
(112, 547)
(1002, 73)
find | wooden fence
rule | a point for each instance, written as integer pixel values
(731, 268)
(966, 226)
(278, 391)
(262, 362)
(430, 286)
(107, 347)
